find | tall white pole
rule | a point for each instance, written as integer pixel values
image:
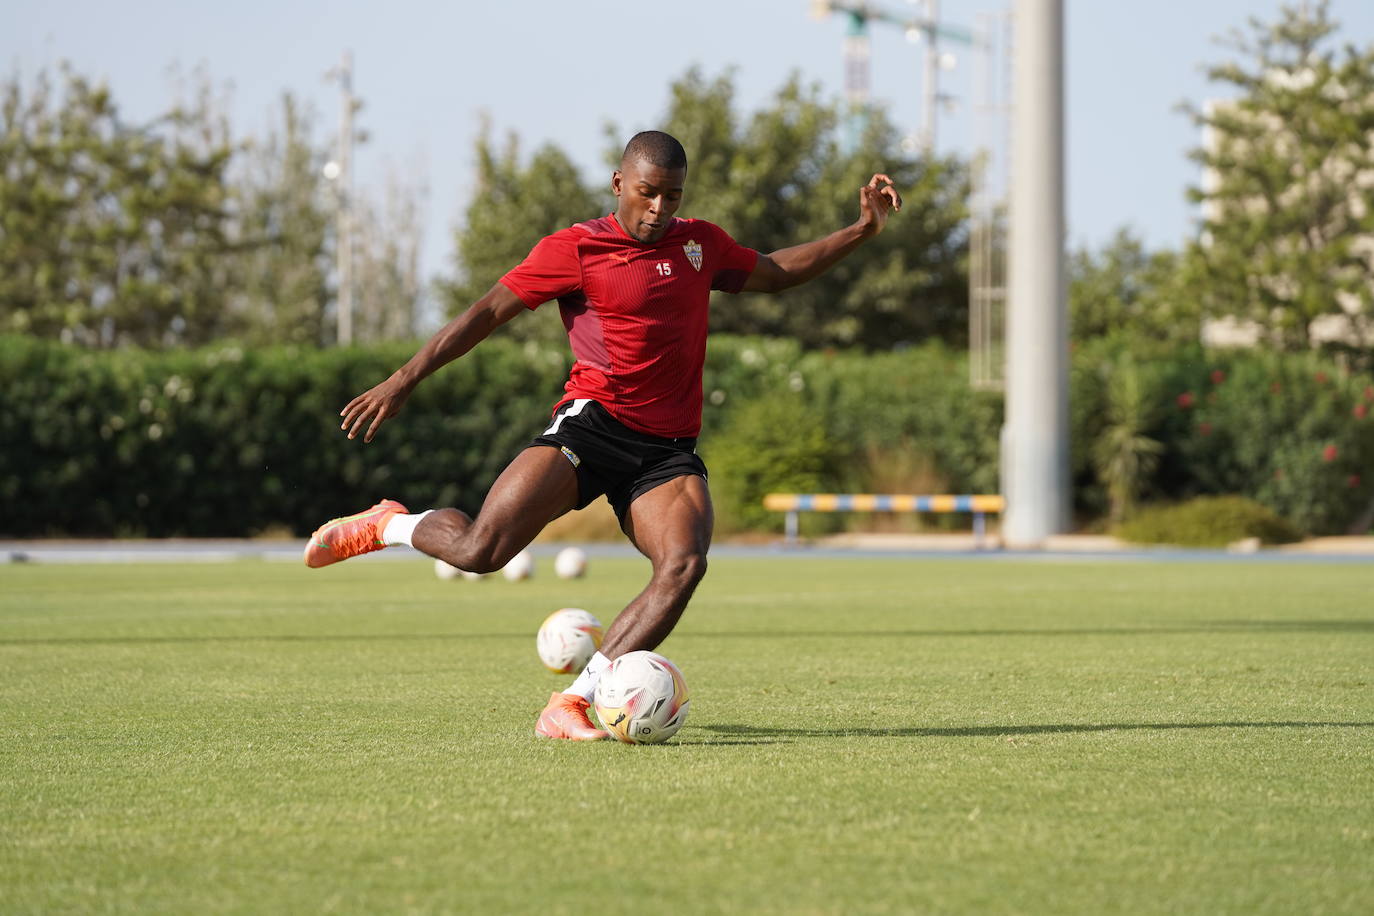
(1035, 440)
(345, 214)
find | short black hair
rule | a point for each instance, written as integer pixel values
(656, 148)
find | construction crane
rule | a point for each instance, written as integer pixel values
(925, 27)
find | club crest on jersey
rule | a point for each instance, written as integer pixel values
(693, 254)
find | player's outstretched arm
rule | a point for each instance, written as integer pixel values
(382, 402)
(793, 266)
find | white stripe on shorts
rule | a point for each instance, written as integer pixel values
(572, 411)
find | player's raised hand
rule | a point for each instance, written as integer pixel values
(876, 200)
(372, 407)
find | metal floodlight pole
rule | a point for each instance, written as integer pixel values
(1035, 450)
(932, 77)
(345, 212)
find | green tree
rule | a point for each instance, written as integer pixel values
(1288, 206)
(1123, 289)
(388, 256)
(111, 234)
(514, 206)
(1124, 455)
(174, 232)
(780, 177)
(285, 227)
(773, 179)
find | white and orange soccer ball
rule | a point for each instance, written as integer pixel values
(642, 698)
(567, 640)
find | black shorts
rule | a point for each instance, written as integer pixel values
(613, 459)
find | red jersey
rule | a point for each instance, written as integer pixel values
(635, 313)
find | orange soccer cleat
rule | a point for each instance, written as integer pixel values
(566, 717)
(350, 536)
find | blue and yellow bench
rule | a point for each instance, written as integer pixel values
(980, 505)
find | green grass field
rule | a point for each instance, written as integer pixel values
(866, 736)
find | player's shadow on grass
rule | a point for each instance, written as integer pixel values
(999, 731)
(1206, 626)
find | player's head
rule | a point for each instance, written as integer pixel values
(656, 148)
(649, 184)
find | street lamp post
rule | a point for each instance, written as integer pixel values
(340, 172)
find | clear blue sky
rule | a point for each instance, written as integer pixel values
(559, 71)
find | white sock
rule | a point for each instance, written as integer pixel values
(585, 685)
(401, 527)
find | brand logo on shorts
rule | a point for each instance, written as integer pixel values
(693, 250)
(570, 455)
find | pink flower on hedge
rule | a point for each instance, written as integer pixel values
(1360, 411)
(1329, 453)
(1353, 481)
(1185, 400)
(1369, 392)
(1320, 377)
(1218, 376)
(1204, 429)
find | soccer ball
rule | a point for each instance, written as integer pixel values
(641, 698)
(567, 640)
(570, 563)
(521, 566)
(446, 572)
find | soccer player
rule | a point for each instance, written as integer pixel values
(633, 289)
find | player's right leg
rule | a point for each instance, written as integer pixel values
(352, 535)
(534, 489)
(537, 487)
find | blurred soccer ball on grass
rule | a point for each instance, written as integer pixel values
(571, 563)
(520, 567)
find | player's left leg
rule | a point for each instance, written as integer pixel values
(671, 525)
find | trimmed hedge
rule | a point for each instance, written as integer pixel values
(229, 441)
(1208, 521)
